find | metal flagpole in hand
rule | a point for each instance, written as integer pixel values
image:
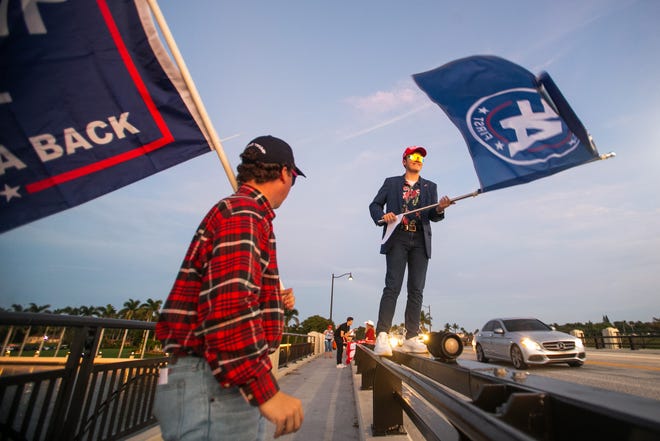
(392, 225)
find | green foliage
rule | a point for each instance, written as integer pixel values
(149, 310)
(315, 323)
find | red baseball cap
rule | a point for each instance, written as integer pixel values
(412, 149)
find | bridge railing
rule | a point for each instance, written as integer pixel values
(89, 398)
(77, 394)
(469, 402)
(625, 341)
(295, 347)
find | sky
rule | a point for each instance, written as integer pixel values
(334, 80)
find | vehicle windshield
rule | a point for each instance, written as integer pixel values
(516, 325)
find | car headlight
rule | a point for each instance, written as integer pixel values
(530, 344)
(579, 344)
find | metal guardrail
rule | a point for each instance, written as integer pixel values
(492, 404)
(622, 341)
(295, 347)
(84, 400)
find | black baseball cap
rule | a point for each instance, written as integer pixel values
(274, 151)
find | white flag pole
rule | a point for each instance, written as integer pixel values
(215, 140)
(453, 200)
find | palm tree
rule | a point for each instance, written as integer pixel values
(90, 311)
(108, 311)
(67, 310)
(291, 315)
(425, 319)
(130, 308)
(36, 308)
(149, 309)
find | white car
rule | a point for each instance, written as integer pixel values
(527, 341)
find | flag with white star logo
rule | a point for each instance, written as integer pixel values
(90, 101)
(517, 127)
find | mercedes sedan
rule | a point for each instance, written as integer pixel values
(527, 341)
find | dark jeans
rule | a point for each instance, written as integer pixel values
(407, 250)
(340, 349)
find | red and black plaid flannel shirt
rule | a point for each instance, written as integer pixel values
(226, 302)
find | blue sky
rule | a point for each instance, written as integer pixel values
(334, 80)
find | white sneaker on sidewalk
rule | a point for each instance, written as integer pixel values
(341, 366)
(413, 345)
(382, 346)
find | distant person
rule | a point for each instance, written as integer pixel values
(329, 337)
(350, 348)
(370, 333)
(409, 246)
(340, 337)
(225, 313)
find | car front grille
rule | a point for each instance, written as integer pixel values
(559, 345)
(560, 356)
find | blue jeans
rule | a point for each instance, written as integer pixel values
(407, 250)
(192, 406)
(328, 346)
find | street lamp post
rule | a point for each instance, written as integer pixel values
(332, 287)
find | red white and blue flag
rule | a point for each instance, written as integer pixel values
(517, 127)
(89, 102)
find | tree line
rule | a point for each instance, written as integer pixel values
(132, 310)
(148, 310)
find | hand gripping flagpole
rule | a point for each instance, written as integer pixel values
(213, 136)
(391, 226)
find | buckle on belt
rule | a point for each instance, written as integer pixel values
(408, 227)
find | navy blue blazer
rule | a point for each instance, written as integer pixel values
(390, 195)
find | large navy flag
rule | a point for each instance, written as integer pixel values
(518, 128)
(89, 102)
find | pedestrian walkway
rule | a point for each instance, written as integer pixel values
(328, 397)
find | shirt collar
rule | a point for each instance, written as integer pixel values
(251, 192)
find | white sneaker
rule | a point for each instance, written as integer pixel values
(382, 346)
(340, 366)
(414, 345)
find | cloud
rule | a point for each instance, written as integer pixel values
(387, 122)
(402, 97)
(385, 107)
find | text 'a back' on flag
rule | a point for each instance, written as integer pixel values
(89, 102)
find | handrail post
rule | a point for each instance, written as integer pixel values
(387, 413)
(92, 337)
(366, 367)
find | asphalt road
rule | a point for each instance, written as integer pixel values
(631, 372)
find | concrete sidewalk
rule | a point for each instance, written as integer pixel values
(328, 401)
(335, 408)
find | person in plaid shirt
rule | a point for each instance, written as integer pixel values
(225, 313)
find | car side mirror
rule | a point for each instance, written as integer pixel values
(498, 331)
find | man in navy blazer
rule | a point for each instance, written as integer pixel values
(408, 246)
